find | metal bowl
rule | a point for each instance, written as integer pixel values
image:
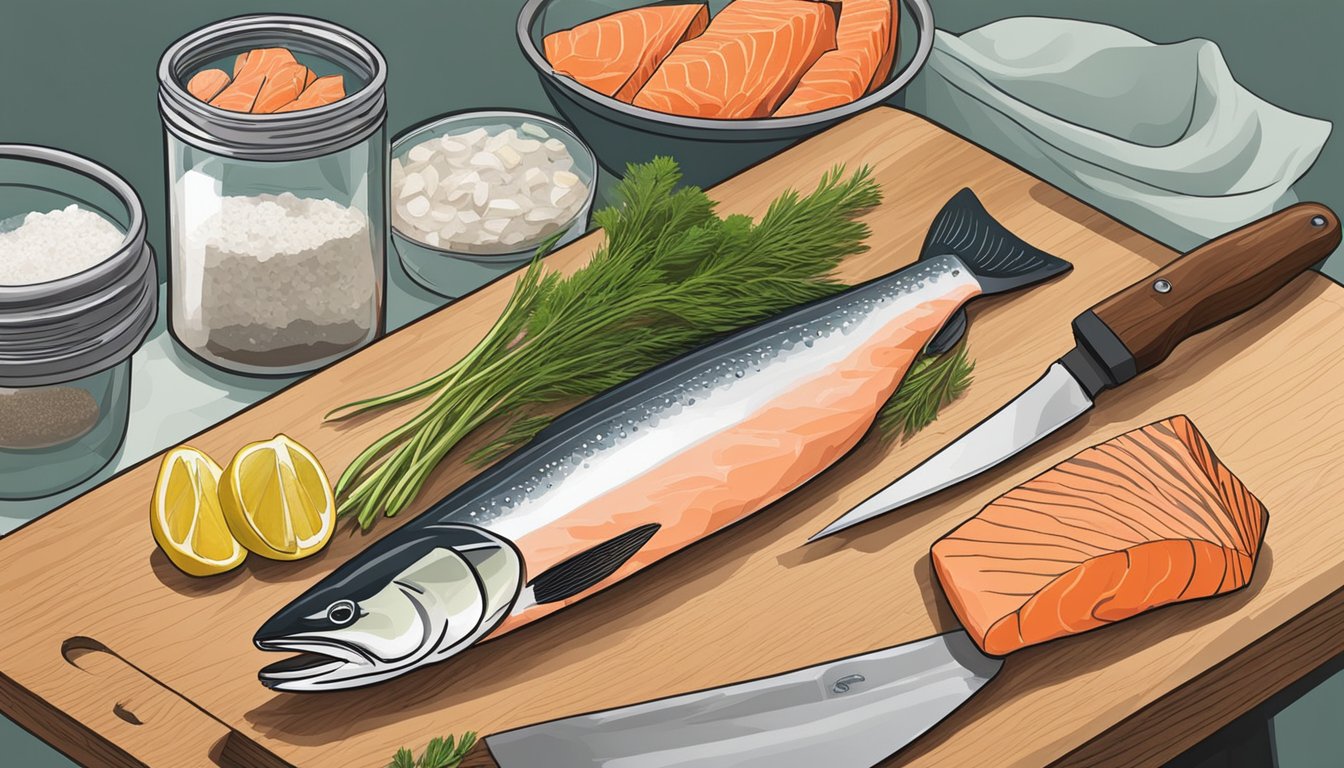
(708, 150)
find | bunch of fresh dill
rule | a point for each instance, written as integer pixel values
(671, 275)
(440, 753)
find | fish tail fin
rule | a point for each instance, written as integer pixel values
(1000, 260)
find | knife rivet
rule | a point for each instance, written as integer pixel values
(1162, 286)
(842, 685)
(1318, 221)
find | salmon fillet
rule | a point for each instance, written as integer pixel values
(265, 59)
(615, 54)
(865, 46)
(207, 83)
(1148, 518)
(282, 87)
(323, 91)
(250, 72)
(749, 58)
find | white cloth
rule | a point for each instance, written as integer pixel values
(1159, 136)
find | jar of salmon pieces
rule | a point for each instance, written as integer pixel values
(276, 137)
(78, 296)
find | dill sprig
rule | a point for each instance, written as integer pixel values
(932, 383)
(440, 753)
(670, 275)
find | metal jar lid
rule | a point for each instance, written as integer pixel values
(297, 135)
(78, 325)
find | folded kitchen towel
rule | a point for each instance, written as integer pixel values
(1159, 136)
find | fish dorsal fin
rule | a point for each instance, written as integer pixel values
(948, 336)
(582, 571)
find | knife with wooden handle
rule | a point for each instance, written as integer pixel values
(1120, 338)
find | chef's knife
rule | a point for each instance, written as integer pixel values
(849, 713)
(1123, 336)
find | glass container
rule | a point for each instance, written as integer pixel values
(66, 341)
(453, 272)
(278, 221)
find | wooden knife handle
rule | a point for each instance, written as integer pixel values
(1216, 281)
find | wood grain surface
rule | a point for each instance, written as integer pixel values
(751, 600)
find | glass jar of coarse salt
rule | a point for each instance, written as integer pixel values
(278, 220)
(78, 296)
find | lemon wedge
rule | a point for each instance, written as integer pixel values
(186, 518)
(277, 501)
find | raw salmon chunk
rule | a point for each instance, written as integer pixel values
(282, 87)
(250, 72)
(262, 59)
(865, 45)
(748, 59)
(1148, 518)
(207, 83)
(323, 91)
(616, 54)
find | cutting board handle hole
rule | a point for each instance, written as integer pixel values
(76, 648)
(122, 712)
(80, 652)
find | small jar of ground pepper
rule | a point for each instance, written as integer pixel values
(78, 295)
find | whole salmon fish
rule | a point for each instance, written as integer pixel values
(645, 469)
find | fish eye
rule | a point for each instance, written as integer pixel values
(341, 612)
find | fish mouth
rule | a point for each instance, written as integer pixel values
(319, 664)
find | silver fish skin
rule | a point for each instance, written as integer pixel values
(644, 469)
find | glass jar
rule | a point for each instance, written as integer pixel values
(278, 221)
(66, 338)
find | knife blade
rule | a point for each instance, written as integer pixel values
(1125, 335)
(848, 713)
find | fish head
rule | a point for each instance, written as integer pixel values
(417, 597)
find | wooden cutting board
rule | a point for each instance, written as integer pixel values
(118, 659)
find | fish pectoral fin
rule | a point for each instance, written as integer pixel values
(947, 337)
(580, 572)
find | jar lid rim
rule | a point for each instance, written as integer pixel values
(72, 343)
(297, 135)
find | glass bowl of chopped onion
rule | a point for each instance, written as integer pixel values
(474, 194)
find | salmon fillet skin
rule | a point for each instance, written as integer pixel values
(748, 60)
(865, 46)
(615, 54)
(1148, 518)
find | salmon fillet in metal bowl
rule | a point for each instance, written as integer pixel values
(616, 54)
(865, 46)
(745, 64)
(727, 130)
